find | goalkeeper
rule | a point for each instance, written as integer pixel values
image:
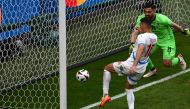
(162, 27)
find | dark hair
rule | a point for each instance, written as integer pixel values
(147, 21)
(149, 4)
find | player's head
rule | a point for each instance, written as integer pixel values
(149, 10)
(145, 25)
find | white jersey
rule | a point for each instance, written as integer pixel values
(148, 40)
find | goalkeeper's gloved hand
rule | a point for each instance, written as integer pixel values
(186, 32)
(131, 47)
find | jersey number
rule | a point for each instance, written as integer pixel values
(149, 50)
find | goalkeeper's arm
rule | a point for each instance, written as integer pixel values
(185, 31)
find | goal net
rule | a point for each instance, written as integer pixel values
(29, 54)
(178, 11)
(103, 28)
(29, 51)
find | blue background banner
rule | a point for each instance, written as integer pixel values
(19, 11)
(86, 7)
(89, 3)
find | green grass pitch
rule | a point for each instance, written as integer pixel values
(171, 94)
(82, 94)
(44, 94)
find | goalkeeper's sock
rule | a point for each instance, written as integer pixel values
(175, 61)
(106, 82)
(150, 65)
(130, 98)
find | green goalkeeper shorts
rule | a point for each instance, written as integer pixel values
(169, 51)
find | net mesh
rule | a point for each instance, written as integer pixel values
(29, 54)
(106, 27)
(29, 42)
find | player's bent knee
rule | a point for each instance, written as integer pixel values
(128, 85)
(167, 63)
(109, 67)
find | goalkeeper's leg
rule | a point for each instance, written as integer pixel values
(152, 70)
(170, 60)
(150, 67)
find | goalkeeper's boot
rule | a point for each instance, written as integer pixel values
(104, 101)
(182, 62)
(150, 73)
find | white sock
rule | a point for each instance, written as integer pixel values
(130, 98)
(106, 82)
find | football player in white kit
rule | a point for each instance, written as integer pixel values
(134, 67)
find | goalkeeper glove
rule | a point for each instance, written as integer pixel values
(131, 47)
(186, 32)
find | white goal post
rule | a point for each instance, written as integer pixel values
(36, 34)
(29, 54)
(62, 55)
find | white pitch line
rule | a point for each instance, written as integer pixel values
(140, 88)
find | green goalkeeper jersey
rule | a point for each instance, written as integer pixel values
(161, 26)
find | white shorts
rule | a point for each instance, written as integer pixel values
(123, 68)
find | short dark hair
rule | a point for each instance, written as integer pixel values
(147, 21)
(149, 4)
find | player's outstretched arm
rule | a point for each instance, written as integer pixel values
(185, 31)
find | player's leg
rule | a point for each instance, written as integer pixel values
(169, 58)
(110, 68)
(169, 55)
(131, 81)
(152, 70)
(182, 62)
(130, 95)
(150, 67)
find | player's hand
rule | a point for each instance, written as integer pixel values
(131, 48)
(186, 31)
(132, 70)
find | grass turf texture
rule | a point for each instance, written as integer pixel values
(82, 94)
(43, 94)
(172, 94)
